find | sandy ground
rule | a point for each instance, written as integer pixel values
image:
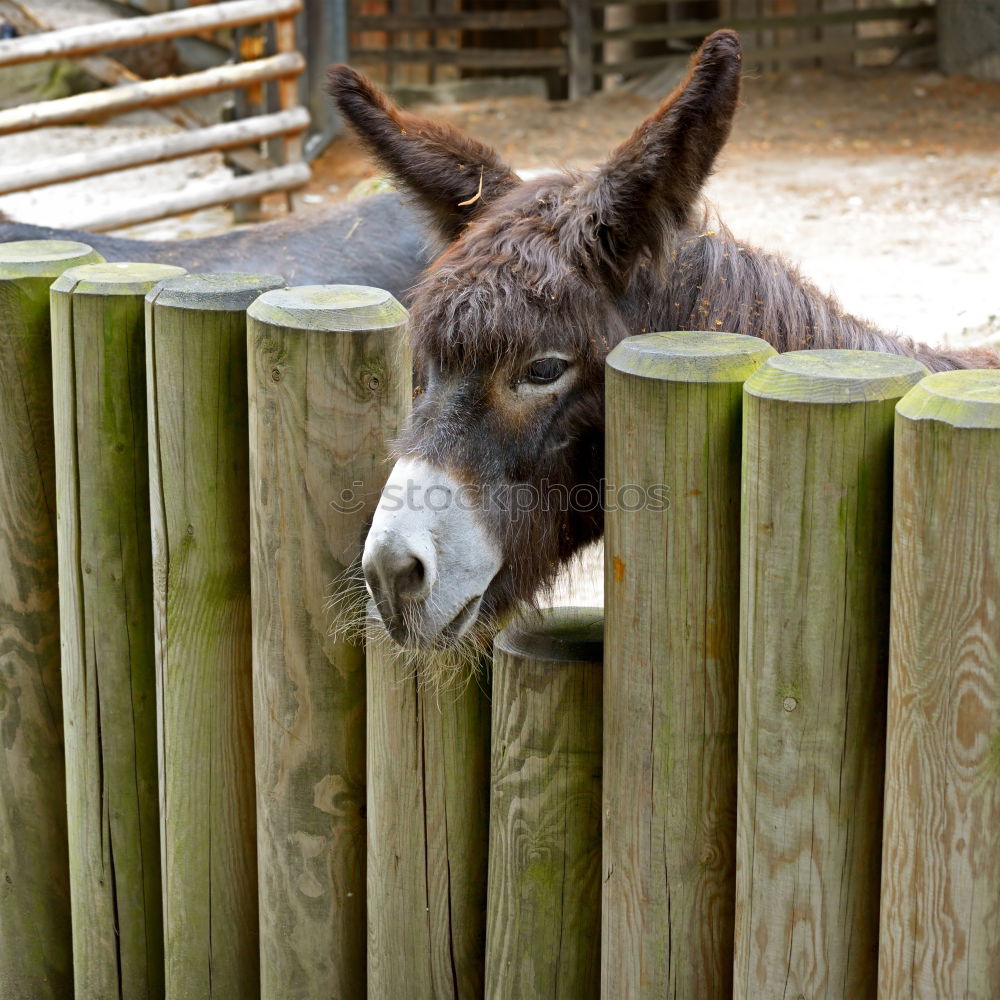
(884, 187)
(910, 242)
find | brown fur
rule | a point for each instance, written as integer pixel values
(572, 264)
(442, 166)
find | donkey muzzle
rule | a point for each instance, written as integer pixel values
(428, 558)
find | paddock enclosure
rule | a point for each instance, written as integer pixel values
(769, 766)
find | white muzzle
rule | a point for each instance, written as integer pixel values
(428, 558)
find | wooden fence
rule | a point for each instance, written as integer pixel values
(590, 41)
(788, 784)
(89, 43)
(773, 39)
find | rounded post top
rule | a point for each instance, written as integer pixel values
(43, 258)
(330, 308)
(835, 376)
(556, 634)
(114, 279)
(966, 398)
(690, 356)
(233, 292)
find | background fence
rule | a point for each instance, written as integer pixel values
(255, 810)
(578, 45)
(90, 43)
(574, 46)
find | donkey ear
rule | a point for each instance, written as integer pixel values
(452, 174)
(650, 183)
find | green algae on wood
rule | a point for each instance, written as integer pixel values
(225, 292)
(835, 376)
(428, 827)
(114, 279)
(967, 398)
(43, 258)
(672, 607)
(35, 923)
(940, 922)
(816, 516)
(544, 892)
(690, 356)
(330, 386)
(106, 612)
(196, 351)
(308, 307)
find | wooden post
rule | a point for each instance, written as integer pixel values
(543, 924)
(288, 88)
(330, 385)
(199, 489)
(581, 49)
(817, 505)
(428, 824)
(672, 603)
(968, 40)
(249, 43)
(35, 940)
(940, 926)
(106, 617)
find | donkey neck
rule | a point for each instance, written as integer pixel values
(709, 280)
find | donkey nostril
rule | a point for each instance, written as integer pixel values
(372, 583)
(411, 580)
(399, 570)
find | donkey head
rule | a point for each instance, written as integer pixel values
(498, 473)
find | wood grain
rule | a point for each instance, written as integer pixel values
(428, 824)
(330, 385)
(940, 934)
(148, 93)
(35, 936)
(199, 491)
(671, 605)
(106, 616)
(543, 925)
(816, 514)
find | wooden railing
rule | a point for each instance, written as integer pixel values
(580, 40)
(761, 51)
(89, 43)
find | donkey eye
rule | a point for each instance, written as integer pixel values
(546, 370)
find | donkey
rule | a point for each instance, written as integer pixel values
(512, 323)
(378, 241)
